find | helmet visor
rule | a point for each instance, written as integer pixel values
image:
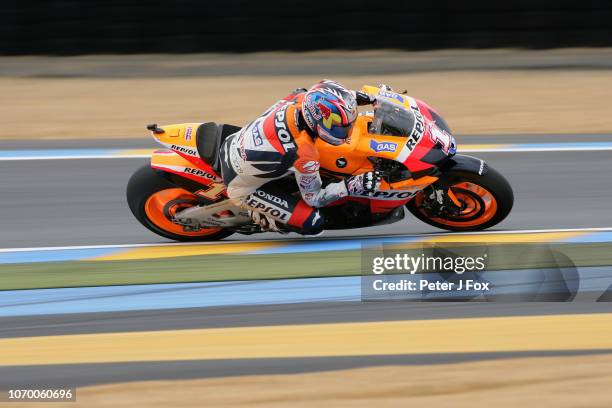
(340, 132)
(336, 135)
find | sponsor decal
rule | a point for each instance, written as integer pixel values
(241, 147)
(308, 167)
(257, 139)
(392, 195)
(282, 129)
(383, 146)
(309, 197)
(308, 119)
(243, 153)
(235, 163)
(185, 150)
(325, 111)
(316, 113)
(265, 207)
(482, 167)
(307, 182)
(419, 127)
(237, 167)
(272, 198)
(188, 133)
(199, 173)
(391, 95)
(341, 162)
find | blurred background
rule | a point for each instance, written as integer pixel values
(85, 77)
(64, 27)
(114, 66)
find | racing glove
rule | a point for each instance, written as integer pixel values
(363, 184)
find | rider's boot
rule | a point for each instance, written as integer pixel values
(268, 224)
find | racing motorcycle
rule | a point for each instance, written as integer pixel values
(180, 195)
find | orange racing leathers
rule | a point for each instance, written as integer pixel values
(271, 147)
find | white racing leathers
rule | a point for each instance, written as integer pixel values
(267, 150)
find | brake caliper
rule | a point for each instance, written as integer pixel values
(438, 202)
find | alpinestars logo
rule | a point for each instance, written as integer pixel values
(308, 167)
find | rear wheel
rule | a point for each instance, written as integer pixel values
(154, 202)
(484, 202)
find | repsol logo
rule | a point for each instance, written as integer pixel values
(272, 198)
(419, 128)
(198, 172)
(281, 129)
(266, 208)
(392, 195)
(185, 150)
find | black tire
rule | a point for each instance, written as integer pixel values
(492, 181)
(146, 182)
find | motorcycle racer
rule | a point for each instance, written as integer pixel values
(281, 142)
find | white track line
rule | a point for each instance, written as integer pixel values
(31, 158)
(431, 234)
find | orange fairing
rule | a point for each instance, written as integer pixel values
(179, 135)
(412, 184)
(180, 138)
(352, 157)
(171, 162)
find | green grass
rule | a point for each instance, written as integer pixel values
(207, 268)
(211, 268)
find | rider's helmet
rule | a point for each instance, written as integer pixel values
(329, 110)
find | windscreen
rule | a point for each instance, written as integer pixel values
(392, 119)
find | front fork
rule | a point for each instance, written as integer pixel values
(439, 200)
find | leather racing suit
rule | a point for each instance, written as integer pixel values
(274, 145)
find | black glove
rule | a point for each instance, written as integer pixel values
(364, 98)
(363, 184)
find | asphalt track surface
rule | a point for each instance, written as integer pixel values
(81, 202)
(77, 375)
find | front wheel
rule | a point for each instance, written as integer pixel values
(484, 202)
(154, 201)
